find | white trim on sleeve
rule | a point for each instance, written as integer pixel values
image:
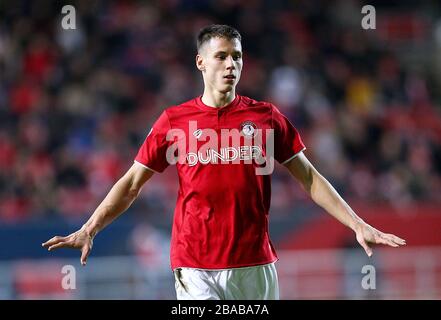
(145, 166)
(289, 159)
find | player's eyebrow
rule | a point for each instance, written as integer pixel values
(224, 52)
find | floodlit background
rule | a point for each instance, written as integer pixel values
(75, 105)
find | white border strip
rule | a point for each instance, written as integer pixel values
(145, 166)
(294, 156)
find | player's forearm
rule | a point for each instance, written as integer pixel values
(324, 194)
(118, 200)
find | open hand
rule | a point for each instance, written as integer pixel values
(367, 235)
(77, 240)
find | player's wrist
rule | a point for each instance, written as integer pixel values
(89, 230)
(356, 224)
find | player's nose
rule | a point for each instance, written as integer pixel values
(230, 63)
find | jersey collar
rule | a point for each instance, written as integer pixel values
(204, 107)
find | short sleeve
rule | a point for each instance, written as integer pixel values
(287, 141)
(153, 152)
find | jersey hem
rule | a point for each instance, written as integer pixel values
(145, 166)
(240, 266)
(289, 159)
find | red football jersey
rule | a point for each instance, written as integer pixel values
(221, 215)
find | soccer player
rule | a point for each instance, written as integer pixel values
(220, 246)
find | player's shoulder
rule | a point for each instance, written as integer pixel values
(269, 108)
(181, 109)
(253, 103)
(180, 106)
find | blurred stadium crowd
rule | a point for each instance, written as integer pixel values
(75, 105)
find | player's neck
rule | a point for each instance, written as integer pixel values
(218, 99)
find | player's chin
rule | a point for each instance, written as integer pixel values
(227, 88)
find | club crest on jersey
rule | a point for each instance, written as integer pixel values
(197, 134)
(248, 128)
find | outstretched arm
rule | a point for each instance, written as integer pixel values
(324, 194)
(118, 200)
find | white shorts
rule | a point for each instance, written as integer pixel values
(248, 283)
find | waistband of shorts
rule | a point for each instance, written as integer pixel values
(227, 269)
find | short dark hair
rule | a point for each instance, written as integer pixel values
(217, 30)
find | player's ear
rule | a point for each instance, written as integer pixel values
(200, 62)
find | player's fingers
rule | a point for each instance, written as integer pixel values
(84, 254)
(397, 239)
(365, 246)
(53, 241)
(388, 242)
(394, 239)
(60, 244)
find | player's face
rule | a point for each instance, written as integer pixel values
(220, 61)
